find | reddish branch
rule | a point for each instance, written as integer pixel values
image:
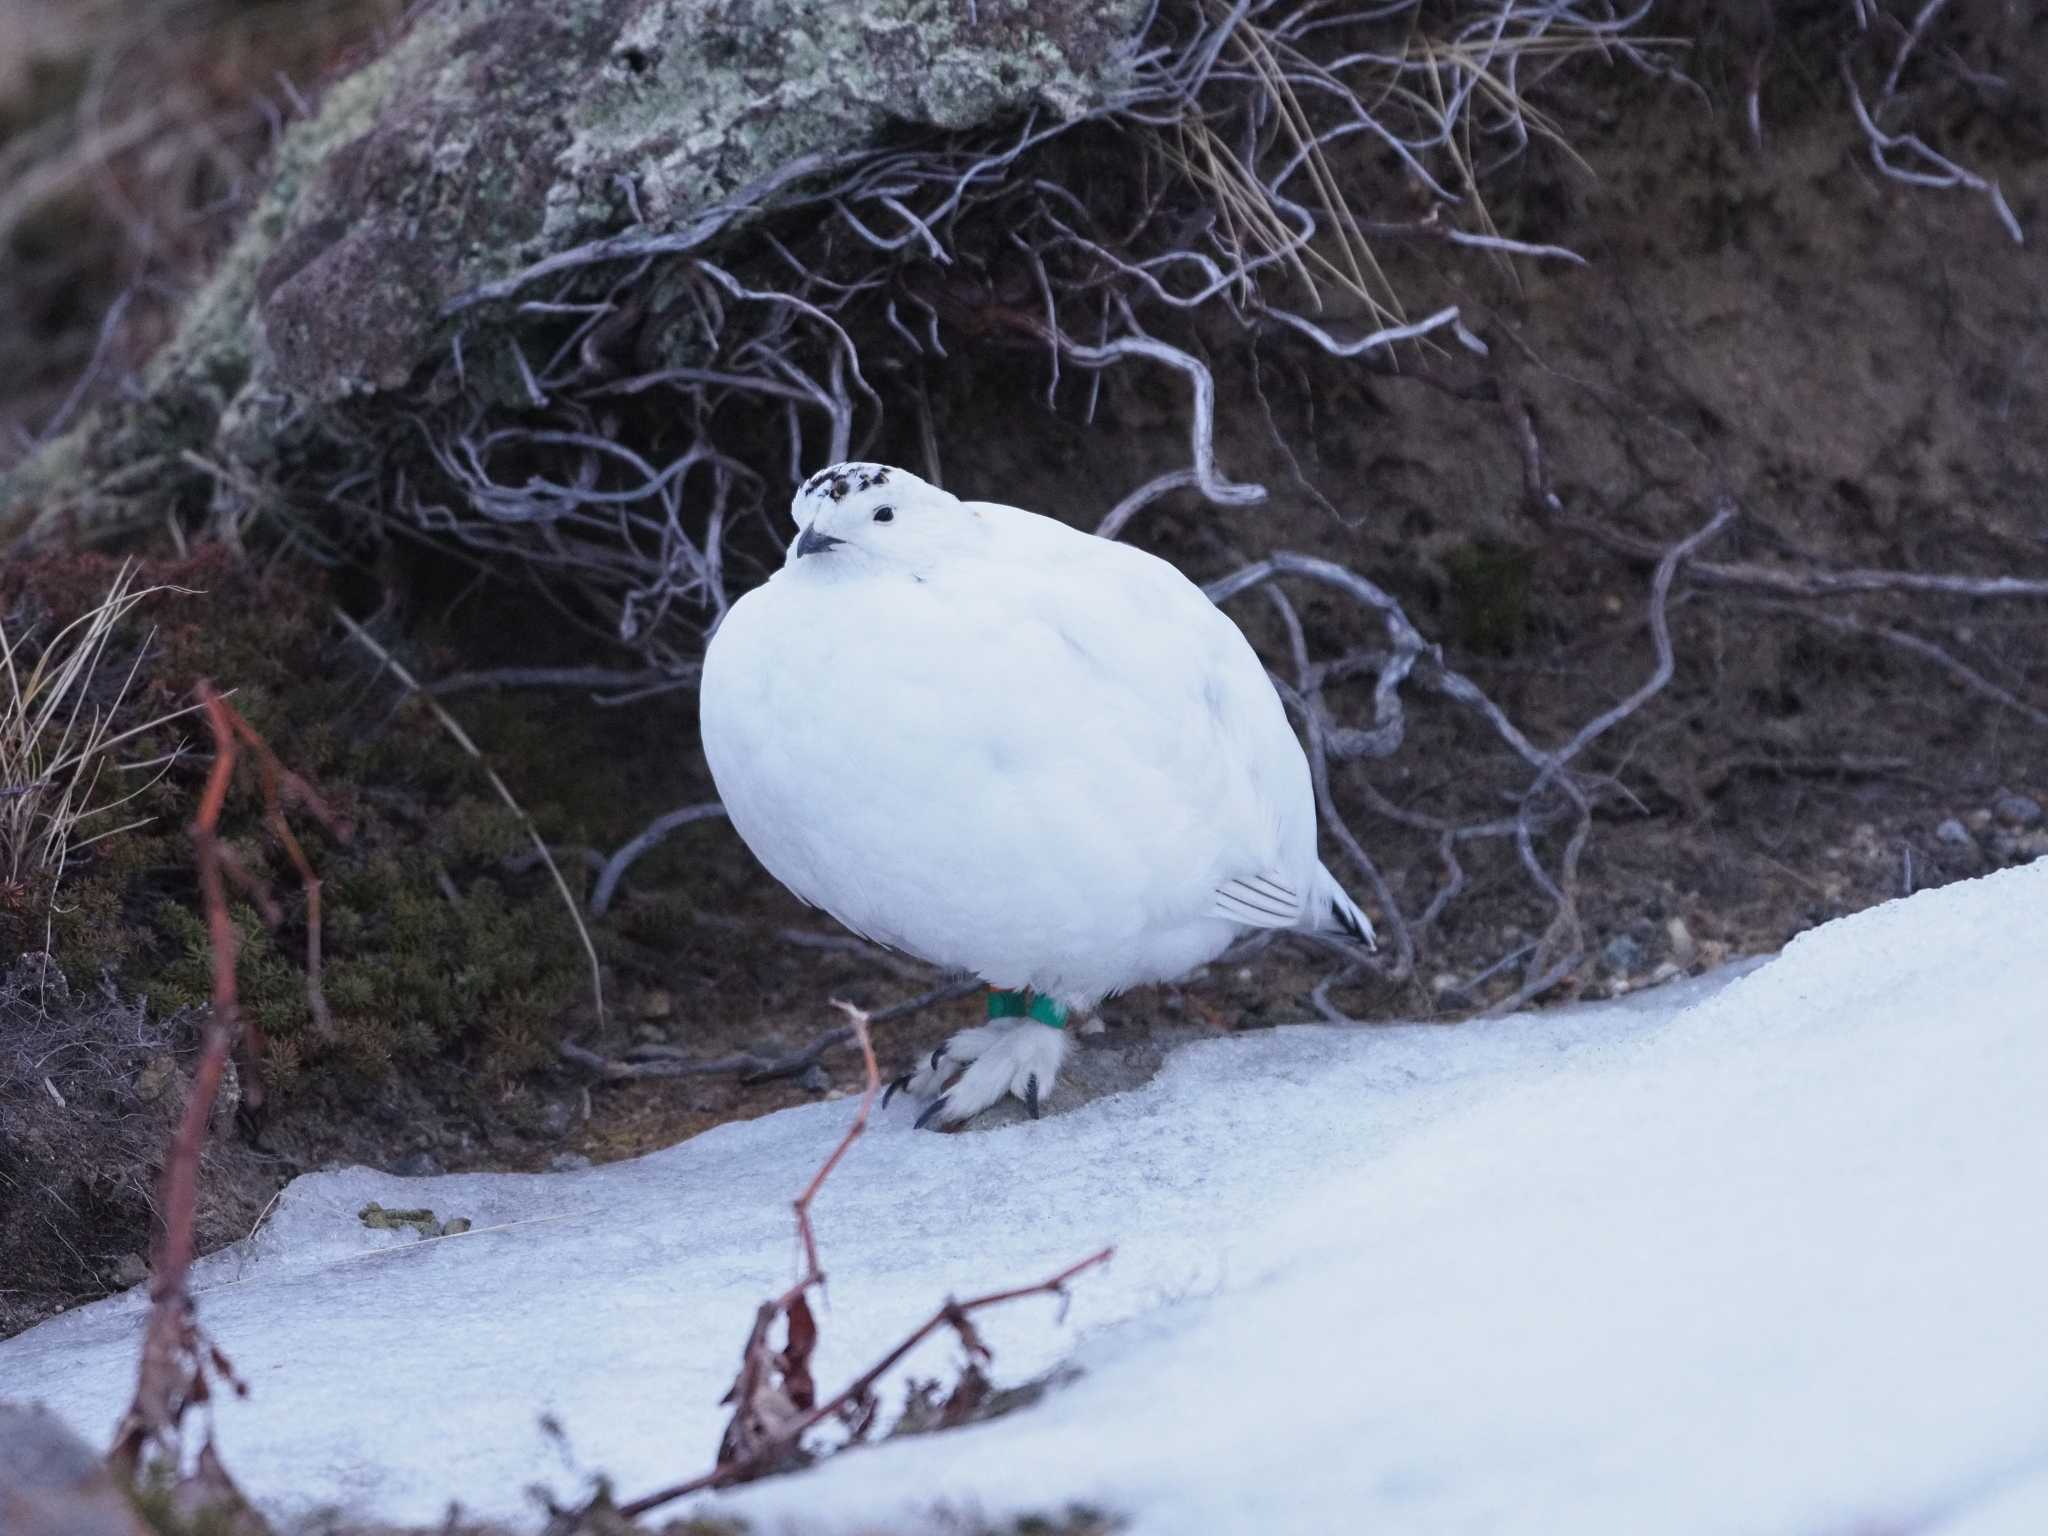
(774, 1397)
(176, 1354)
(232, 735)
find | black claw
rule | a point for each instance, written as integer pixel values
(935, 1057)
(930, 1110)
(1031, 1094)
(895, 1083)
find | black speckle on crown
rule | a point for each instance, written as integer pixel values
(839, 481)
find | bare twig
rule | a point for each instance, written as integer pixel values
(1925, 649)
(775, 1401)
(1924, 165)
(1817, 581)
(603, 681)
(638, 846)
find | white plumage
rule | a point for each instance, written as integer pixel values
(983, 738)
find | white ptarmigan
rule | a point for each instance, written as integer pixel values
(1006, 747)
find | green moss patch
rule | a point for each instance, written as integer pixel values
(443, 948)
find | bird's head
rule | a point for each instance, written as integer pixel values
(858, 514)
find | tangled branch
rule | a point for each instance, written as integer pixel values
(1900, 155)
(797, 315)
(1407, 656)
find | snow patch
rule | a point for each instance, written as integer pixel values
(1752, 1255)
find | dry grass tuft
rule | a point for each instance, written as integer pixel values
(58, 738)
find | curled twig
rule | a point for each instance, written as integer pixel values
(638, 846)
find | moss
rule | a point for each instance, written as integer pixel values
(435, 952)
(413, 973)
(418, 1219)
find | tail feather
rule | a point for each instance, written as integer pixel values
(1336, 912)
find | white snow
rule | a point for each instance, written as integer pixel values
(1775, 1262)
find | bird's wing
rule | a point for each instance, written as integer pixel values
(1259, 901)
(1187, 679)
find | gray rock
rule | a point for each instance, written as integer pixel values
(1622, 954)
(1954, 834)
(418, 1165)
(557, 1117)
(54, 1484)
(492, 137)
(129, 1269)
(568, 1162)
(2018, 810)
(815, 1079)
(2019, 847)
(489, 138)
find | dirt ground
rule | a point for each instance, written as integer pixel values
(1859, 364)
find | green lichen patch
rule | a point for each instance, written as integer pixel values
(419, 1219)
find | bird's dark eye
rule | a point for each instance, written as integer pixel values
(885, 514)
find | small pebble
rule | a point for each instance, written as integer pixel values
(815, 1079)
(2018, 810)
(568, 1162)
(130, 1269)
(1622, 954)
(158, 1074)
(557, 1117)
(454, 1225)
(1954, 833)
(2019, 847)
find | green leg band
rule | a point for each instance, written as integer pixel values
(1022, 1005)
(1046, 1011)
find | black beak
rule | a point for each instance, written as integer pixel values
(812, 542)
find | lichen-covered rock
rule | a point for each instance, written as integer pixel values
(494, 133)
(508, 131)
